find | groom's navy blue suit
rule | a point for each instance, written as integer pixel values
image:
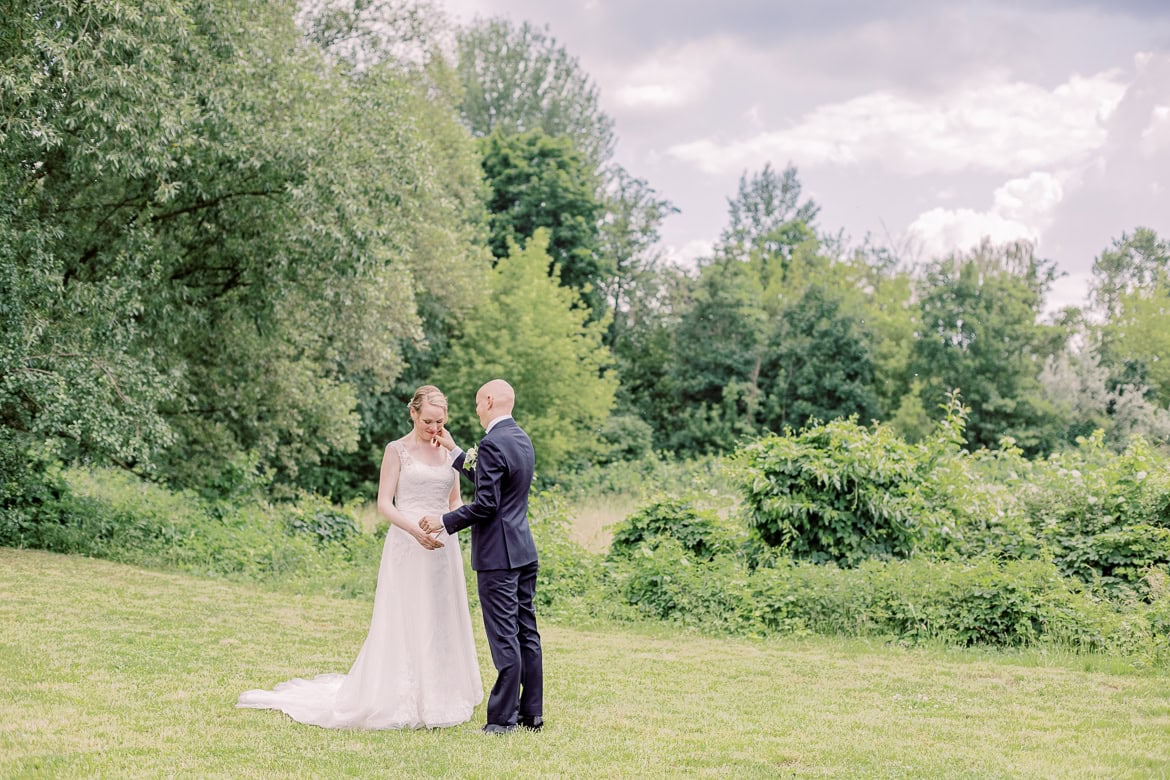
(503, 555)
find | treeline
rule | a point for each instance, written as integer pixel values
(234, 237)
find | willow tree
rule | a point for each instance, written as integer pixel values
(212, 234)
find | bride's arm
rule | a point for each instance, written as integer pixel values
(387, 487)
(455, 500)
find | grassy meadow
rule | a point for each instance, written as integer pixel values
(115, 671)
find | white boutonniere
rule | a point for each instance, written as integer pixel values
(469, 459)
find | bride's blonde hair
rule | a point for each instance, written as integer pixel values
(427, 394)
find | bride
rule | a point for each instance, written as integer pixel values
(418, 666)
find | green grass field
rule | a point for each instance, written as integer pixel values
(112, 671)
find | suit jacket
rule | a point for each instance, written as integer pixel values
(498, 515)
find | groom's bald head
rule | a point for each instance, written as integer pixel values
(495, 399)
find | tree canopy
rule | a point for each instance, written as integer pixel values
(516, 78)
(213, 234)
(531, 333)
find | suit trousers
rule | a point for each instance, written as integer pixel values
(509, 619)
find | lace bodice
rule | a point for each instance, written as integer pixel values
(422, 488)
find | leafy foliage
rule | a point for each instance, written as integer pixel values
(192, 269)
(835, 492)
(541, 181)
(979, 317)
(696, 530)
(517, 79)
(531, 333)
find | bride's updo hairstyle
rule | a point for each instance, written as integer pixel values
(427, 394)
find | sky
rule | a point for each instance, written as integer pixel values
(924, 124)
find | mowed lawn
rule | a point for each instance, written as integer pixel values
(107, 670)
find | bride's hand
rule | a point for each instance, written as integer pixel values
(427, 541)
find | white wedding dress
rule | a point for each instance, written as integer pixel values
(418, 666)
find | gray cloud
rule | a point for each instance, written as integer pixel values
(1127, 187)
(767, 66)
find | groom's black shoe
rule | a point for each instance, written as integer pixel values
(496, 728)
(535, 723)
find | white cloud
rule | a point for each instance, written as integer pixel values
(688, 254)
(1029, 201)
(1072, 289)
(1021, 210)
(672, 77)
(1156, 135)
(996, 125)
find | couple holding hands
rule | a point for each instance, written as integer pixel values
(418, 666)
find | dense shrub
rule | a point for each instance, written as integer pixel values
(31, 486)
(319, 519)
(974, 502)
(665, 583)
(697, 530)
(984, 602)
(1099, 520)
(836, 492)
(1104, 517)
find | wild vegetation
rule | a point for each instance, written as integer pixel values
(234, 238)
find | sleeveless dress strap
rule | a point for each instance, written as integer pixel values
(403, 453)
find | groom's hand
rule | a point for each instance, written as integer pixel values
(430, 524)
(444, 440)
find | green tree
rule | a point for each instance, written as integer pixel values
(890, 313)
(1133, 263)
(767, 221)
(630, 238)
(531, 332)
(718, 350)
(188, 254)
(1131, 286)
(1140, 335)
(819, 366)
(646, 356)
(540, 181)
(517, 79)
(981, 334)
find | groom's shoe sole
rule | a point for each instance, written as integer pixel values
(532, 724)
(496, 728)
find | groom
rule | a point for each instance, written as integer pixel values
(503, 555)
